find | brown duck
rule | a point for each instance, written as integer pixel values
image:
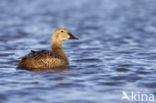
(49, 59)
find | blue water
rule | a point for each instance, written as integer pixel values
(116, 50)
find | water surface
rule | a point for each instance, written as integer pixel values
(116, 51)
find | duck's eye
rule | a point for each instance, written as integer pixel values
(62, 31)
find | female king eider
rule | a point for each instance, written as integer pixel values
(49, 59)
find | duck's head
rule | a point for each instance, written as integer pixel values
(63, 34)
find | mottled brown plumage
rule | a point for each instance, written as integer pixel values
(49, 59)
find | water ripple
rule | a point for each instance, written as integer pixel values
(115, 51)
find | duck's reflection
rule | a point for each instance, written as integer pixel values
(60, 69)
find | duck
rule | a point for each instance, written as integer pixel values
(54, 58)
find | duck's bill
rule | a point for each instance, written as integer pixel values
(72, 36)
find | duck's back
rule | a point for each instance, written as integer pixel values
(42, 59)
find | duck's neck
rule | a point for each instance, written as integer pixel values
(57, 50)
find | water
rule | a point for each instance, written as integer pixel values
(116, 51)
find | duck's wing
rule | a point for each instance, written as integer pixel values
(38, 54)
(34, 57)
(41, 59)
